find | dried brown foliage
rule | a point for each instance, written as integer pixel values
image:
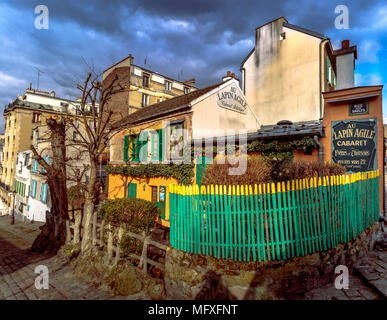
(257, 172)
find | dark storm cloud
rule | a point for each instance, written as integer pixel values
(201, 39)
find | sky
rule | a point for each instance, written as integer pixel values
(199, 39)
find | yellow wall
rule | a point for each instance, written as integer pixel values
(118, 187)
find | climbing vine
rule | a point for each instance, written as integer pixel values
(183, 173)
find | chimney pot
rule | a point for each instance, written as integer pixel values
(233, 75)
(345, 44)
(228, 73)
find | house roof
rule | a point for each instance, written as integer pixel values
(304, 30)
(283, 130)
(165, 107)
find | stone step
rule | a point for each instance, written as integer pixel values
(373, 270)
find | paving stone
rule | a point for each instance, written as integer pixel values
(368, 294)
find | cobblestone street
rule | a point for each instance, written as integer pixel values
(17, 265)
(17, 276)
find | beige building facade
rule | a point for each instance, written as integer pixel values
(25, 116)
(284, 75)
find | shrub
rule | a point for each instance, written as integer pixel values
(139, 215)
(257, 171)
(279, 163)
(302, 169)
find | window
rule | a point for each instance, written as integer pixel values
(283, 36)
(186, 90)
(136, 147)
(145, 99)
(168, 85)
(176, 140)
(331, 77)
(43, 193)
(35, 117)
(154, 193)
(160, 99)
(27, 159)
(157, 145)
(145, 80)
(76, 136)
(34, 185)
(91, 125)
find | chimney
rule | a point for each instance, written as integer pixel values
(227, 77)
(52, 94)
(190, 82)
(345, 65)
(131, 58)
(345, 44)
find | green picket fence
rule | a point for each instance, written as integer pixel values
(272, 221)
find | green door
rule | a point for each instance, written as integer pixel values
(132, 190)
(161, 202)
(200, 168)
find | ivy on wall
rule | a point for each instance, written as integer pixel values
(183, 173)
(305, 144)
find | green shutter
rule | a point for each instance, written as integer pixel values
(160, 151)
(144, 146)
(328, 69)
(132, 190)
(126, 148)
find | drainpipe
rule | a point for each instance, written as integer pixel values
(320, 150)
(320, 74)
(243, 70)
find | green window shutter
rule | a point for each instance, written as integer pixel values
(126, 148)
(143, 152)
(160, 151)
(132, 190)
(328, 67)
(154, 155)
(136, 149)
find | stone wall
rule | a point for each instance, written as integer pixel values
(192, 276)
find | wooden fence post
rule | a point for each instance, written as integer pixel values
(144, 256)
(101, 233)
(68, 231)
(77, 224)
(118, 249)
(110, 242)
(94, 230)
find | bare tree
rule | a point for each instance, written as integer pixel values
(95, 132)
(53, 234)
(91, 124)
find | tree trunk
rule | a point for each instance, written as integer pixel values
(53, 234)
(91, 198)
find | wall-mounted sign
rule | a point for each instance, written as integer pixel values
(359, 108)
(354, 144)
(232, 100)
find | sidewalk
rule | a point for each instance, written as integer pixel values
(17, 265)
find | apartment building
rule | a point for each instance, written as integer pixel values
(24, 118)
(141, 87)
